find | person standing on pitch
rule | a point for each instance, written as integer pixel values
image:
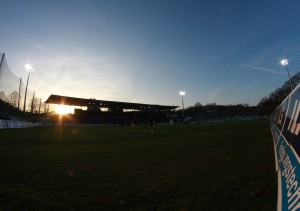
(133, 125)
(151, 125)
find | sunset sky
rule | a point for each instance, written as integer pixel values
(146, 51)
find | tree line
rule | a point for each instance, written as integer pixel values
(14, 99)
(269, 104)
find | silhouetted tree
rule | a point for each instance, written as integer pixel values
(198, 104)
(268, 104)
(33, 104)
(13, 98)
(2, 95)
(45, 107)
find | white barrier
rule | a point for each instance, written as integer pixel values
(4, 124)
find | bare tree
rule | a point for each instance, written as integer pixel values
(198, 104)
(13, 98)
(2, 95)
(211, 104)
(40, 104)
(45, 107)
(33, 104)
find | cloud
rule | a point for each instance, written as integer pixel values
(264, 54)
(258, 62)
(268, 70)
(38, 47)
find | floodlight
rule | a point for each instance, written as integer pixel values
(284, 62)
(182, 93)
(28, 67)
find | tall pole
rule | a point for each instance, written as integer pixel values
(182, 93)
(26, 92)
(285, 62)
(287, 69)
(40, 105)
(182, 106)
(19, 97)
(32, 102)
(2, 58)
(28, 68)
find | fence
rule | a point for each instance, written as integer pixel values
(12, 89)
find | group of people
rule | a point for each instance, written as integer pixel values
(151, 123)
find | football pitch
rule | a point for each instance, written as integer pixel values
(212, 166)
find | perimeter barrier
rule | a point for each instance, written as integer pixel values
(4, 124)
(285, 128)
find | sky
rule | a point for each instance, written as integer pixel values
(146, 51)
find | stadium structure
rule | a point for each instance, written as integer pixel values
(13, 106)
(12, 100)
(113, 112)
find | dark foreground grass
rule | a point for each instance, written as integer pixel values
(217, 166)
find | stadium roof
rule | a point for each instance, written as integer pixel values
(73, 101)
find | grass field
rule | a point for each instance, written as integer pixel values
(215, 166)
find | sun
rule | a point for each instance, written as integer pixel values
(62, 109)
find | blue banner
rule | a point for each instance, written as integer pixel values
(285, 128)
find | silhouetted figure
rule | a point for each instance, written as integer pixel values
(151, 125)
(133, 125)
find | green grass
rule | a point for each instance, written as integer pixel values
(216, 166)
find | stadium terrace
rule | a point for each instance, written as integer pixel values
(113, 112)
(93, 104)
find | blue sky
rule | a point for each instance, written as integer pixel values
(146, 51)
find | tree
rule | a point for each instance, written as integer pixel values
(45, 107)
(263, 101)
(277, 96)
(13, 98)
(33, 104)
(198, 104)
(2, 95)
(211, 104)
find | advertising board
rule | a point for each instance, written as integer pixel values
(285, 128)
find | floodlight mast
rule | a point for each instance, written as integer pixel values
(285, 62)
(28, 69)
(182, 93)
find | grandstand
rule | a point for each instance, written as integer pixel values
(112, 112)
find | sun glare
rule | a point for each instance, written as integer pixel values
(62, 109)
